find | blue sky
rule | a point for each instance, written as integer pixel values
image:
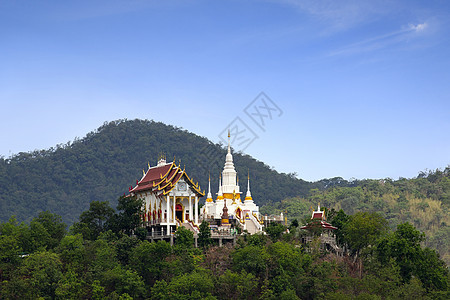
(363, 87)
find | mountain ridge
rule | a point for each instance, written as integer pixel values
(103, 164)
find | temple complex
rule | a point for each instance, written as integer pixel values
(244, 214)
(170, 198)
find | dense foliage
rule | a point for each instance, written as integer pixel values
(108, 264)
(107, 161)
(423, 201)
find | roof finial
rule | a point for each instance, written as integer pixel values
(248, 196)
(209, 196)
(220, 194)
(229, 142)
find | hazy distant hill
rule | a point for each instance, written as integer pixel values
(102, 165)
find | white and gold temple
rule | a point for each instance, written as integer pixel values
(171, 199)
(244, 214)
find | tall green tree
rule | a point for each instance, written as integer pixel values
(128, 218)
(204, 236)
(93, 221)
(184, 238)
(404, 247)
(275, 230)
(363, 229)
(54, 227)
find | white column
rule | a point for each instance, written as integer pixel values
(174, 215)
(196, 210)
(190, 207)
(167, 214)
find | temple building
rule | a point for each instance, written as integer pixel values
(319, 227)
(244, 214)
(170, 198)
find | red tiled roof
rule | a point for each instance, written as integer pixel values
(323, 224)
(317, 215)
(162, 179)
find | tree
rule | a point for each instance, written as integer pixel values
(184, 238)
(339, 220)
(363, 229)
(149, 260)
(129, 217)
(232, 285)
(274, 230)
(204, 236)
(93, 221)
(37, 277)
(121, 281)
(252, 259)
(195, 285)
(53, 227)
(403, 246)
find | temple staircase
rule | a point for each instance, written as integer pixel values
(190, 226)
(250, 226)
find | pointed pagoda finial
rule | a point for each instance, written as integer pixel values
(143, 172)
(229, 142)
(148, 163)
(248, 196)
(220, 194)
(209, 197)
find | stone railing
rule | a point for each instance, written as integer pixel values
(255, 220)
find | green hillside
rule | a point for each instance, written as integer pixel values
(423, 201)
(102, 165)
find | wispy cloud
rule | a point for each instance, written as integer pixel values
(381, 41)
(341, 15)
(418, 27)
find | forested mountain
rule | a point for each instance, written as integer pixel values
(423, 201)
(102, 165)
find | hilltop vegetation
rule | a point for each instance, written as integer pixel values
(102, 165)
(423, 201)
(105, 262)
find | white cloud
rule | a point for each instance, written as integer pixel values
(418, 27)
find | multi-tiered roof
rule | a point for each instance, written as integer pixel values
(318, 218)
(162, 178)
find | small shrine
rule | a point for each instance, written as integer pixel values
(318, 227)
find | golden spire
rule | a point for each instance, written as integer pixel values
(248, 196)
(209, 196)
(143, 172)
